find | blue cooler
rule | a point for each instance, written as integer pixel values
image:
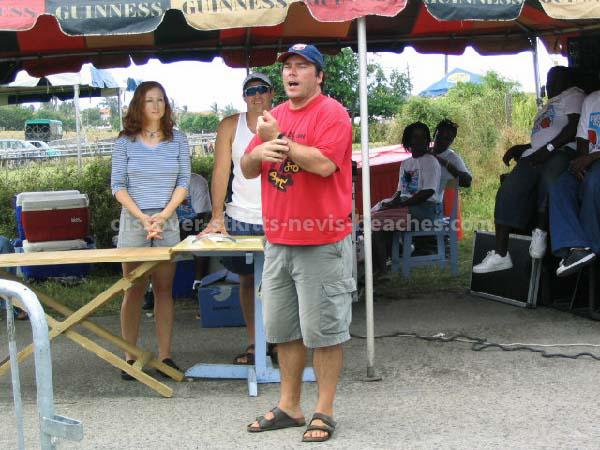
(219, 299)
(183, 283)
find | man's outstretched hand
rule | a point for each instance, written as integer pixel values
(515, 153)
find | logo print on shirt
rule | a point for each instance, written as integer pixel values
(594, 130)
(410, 181)
(545, 120)
(282, 178)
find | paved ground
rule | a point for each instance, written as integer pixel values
(432, 396)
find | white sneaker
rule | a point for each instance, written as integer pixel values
(493, 262)
(537, 248)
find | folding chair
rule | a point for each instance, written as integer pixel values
(440, 258)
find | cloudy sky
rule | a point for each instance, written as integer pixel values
(198, 85)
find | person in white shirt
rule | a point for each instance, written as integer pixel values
(418, 200)
(453, 166)
(523, 195)
(236, 200)
(575, 197)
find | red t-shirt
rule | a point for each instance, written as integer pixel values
(303, 208)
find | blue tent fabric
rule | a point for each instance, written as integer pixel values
(449, 81)
(132, 84)
(102, 78)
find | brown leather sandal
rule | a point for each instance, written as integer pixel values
(279, 421)
(329, 428)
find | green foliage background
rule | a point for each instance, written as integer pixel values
(487, 127)
(94, 181)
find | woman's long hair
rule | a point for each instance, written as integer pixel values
(134, 119)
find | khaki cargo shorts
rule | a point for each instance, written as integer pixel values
(306, 293)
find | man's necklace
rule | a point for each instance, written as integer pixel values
(151, 133)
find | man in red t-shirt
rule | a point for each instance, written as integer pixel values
(303, 152)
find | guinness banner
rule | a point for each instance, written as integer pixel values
(89, 17)
(572, 9)
(224, 14)
(474, 9)
(19, 14)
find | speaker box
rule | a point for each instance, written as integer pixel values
(516, 286)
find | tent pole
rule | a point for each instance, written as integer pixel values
(120, 108)
(366, 192)
(536, 72)
(77, 126)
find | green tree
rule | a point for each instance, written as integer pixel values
(206, 123)
(229, 110)
(67, 108)
(91, 117)
(387, 95)
(198, 123)
(68, 121)
(14, 117)
(112, 103)
(186, 123)
(342, 83)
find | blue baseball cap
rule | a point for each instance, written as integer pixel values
(307, 51)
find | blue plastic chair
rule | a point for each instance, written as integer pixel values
(440, 258)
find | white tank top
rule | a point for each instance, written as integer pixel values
(245, 204)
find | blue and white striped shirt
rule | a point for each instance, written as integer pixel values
(151, 174)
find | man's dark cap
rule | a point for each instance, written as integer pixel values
(307, 51)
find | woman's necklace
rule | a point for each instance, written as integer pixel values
(152, 134)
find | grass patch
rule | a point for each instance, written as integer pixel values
(78, 292)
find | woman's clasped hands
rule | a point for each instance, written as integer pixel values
(153, 225)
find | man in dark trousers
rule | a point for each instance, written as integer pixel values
(523, 196)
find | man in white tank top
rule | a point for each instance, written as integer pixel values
(236, 200)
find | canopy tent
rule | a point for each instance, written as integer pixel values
(449, 81)
(88, 82)
(250, 33)
(92, 83)
(55, 36)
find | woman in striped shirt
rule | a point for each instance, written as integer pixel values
(150, 178)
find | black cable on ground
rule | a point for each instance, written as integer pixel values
(480, 344)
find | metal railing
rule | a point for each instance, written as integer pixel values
(200, 144)
(51, 425)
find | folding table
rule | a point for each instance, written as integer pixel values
(251, 248)
(150, 259)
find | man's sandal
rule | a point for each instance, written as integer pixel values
(272, 352)
(329, 428)
(248, 355)
(279, 421)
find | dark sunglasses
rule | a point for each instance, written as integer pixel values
(251, 91)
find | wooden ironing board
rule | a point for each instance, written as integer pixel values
(251, 247)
